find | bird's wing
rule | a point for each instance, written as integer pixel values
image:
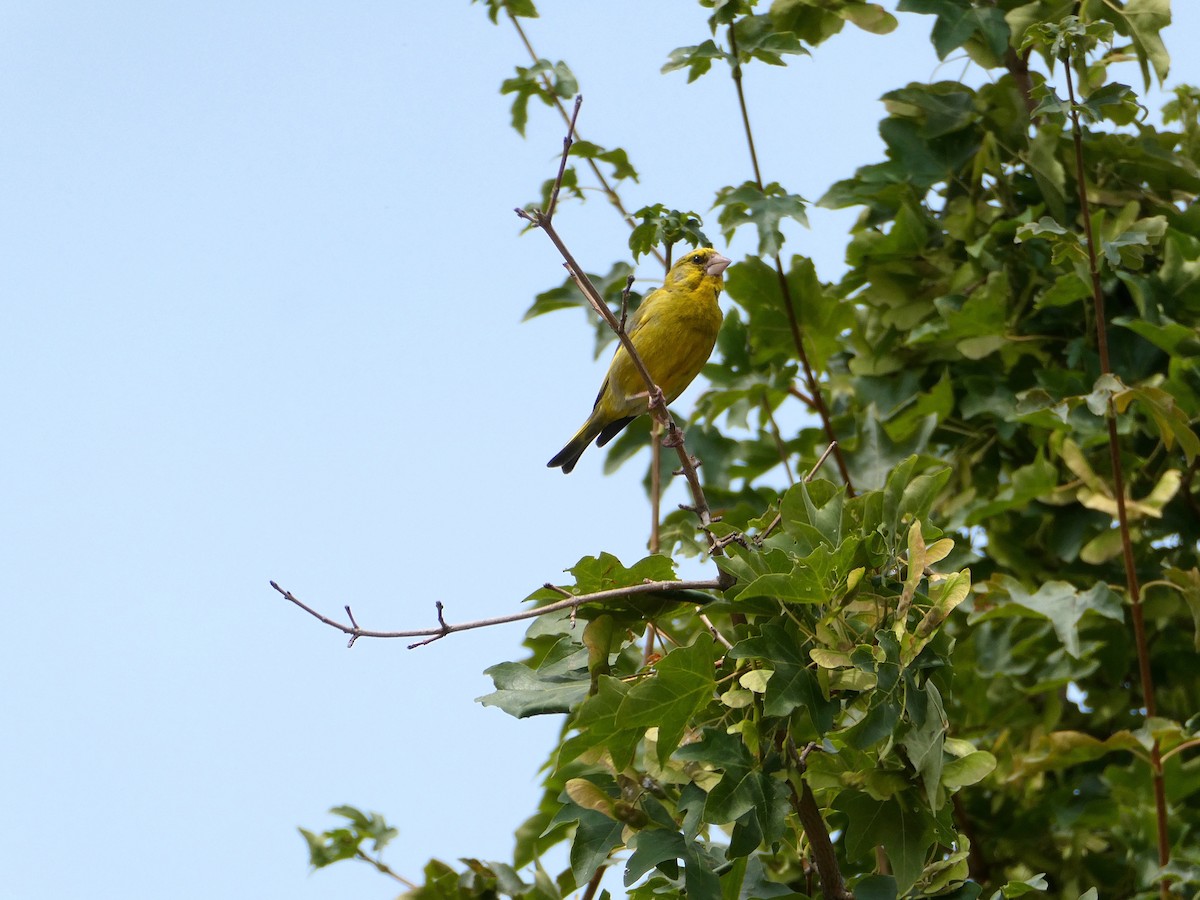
(643, 313)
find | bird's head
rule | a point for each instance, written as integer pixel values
(697, 265)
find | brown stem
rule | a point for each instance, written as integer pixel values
(655, 485)
(810, 379)
(833, 885)
(1018, 68)
(800, 395)
(571, 602)
(1114, 452)
(780, 447)
(657, 406)
(385, 869)
(594, 884)
(562, 167)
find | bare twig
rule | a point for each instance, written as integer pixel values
(562, 163)
(780, 447)
(801, 396)
(655, 542)
(1114, 452)
(812, 473)
(444, 628)
(712, 629)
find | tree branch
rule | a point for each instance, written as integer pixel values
(1114, 452)
(445, 628)
(833, 885)
(657, 405)
(810, 379)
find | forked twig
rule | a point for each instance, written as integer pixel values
(571, 601)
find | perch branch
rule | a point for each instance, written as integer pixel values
(656, 402)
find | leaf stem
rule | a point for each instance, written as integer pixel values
(385, 869)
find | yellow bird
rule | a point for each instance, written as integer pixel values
(674, 331)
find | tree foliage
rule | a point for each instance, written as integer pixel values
(947, 656)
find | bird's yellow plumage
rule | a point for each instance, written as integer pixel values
(674, 331)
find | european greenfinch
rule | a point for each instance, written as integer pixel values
(674, 331)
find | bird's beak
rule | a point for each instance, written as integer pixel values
(717, 265)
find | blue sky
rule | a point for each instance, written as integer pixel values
(262, 287)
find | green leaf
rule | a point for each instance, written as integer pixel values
(617, 158)
(758, 38)
(683, 683)
(664, 227)
(1167, 335)
(699, 874)
(967, 770)
(1145, 20)
(1115, 102)
(903, 833)
(596, 836)
(814, 21)
(1059, 602)
(958, 25)
(605, 572)
(544, 80)
(923, 742)
(876, 887)
(765, 208)
(697, 59)
(602, 727)
(1036, 884)
(813, 514)
(793, 685)
(517, 8)
(556, 687)
(654, 848)
(1173, 424)
(877, 454)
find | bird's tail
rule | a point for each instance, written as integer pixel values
(593, 428)
(566, 458)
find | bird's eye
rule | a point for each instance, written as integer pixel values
(697, 259)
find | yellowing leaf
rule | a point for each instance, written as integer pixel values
(587, 795)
